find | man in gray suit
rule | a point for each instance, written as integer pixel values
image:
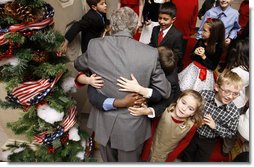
(121, 135)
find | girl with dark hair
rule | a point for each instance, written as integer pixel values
(206, 56)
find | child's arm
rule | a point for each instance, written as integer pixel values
(199, 36)
(133, 86)
(141, 7)
(118, 4)
(94, 80)
(73, 31)
(233, 32)
(143, 110)
(64, 46)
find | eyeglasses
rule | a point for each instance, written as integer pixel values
(228, 92)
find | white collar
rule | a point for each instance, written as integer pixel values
(166, 30)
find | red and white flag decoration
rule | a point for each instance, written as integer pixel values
(32, 92)
(68, 122)
(32, 26)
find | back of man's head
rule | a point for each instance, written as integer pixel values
(124, 19)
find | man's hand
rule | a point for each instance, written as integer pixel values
(130, 100)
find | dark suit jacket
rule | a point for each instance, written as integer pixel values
(91, 26)
(173, 40)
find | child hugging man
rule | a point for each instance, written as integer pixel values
(221, 117)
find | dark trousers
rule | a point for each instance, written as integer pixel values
(199, 149)
(109, 154)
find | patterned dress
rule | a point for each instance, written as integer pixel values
(199, 74)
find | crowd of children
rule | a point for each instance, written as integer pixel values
(205, 105)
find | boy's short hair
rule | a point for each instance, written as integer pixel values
(92, 2)
(167, 59)
(168, 8)
(229, 77)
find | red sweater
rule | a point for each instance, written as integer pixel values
(244, 13)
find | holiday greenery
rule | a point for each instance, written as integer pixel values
(33, 72)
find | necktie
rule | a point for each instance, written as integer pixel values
(160, 37)
(220, 15)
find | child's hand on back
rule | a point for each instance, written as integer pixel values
(139, 111)
(128, 85)
(95, 81)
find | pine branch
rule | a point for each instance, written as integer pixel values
(15, 37)
(47, 70)
(7, 21)
(24, 54)
(31, 3)
(5, 105)
(49, 40)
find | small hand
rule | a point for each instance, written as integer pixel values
(139, 111)
(208, 120)
(64, 47)
(199, 51)
(148, 22)
(227, 41)
(96, 81)
(128, 85)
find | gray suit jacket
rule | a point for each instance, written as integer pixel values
(112, 57)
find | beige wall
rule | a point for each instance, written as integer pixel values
(64, 16)
(74, 11)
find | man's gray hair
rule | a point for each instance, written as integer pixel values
(124, 19)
